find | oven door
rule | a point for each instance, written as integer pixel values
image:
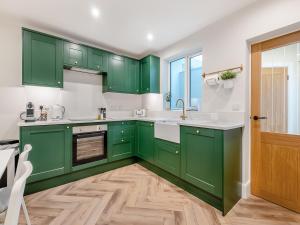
(89, 147)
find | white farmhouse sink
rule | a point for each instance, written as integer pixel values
(168, 130)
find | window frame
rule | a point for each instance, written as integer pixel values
(187, 79)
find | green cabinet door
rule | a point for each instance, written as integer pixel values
(167, 156)
(145, 140)
(75, 55)
(116, 74)
(51, 150)
(121, 140)
(42, 60)
(150, 74)
(133, 75)
(97, 60)
(201, 158)
(145, 75)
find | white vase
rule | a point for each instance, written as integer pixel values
(228, 83)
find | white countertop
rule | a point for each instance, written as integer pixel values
(219, 125)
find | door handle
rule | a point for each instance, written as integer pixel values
(259, 117)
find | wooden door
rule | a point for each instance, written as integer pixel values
(275, 151)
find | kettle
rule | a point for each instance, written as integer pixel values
(57, 112)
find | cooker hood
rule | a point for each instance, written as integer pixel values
(73, 68)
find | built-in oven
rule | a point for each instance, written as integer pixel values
(89, 143)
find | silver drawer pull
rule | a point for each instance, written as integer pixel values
(197, 131)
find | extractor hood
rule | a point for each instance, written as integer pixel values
(97, 72)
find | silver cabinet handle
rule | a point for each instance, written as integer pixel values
(76, 62)
(197, 131)
(122, 131)
(98, 66)
(68, 127)
(122, 140)
(58, 82)
(177, 152)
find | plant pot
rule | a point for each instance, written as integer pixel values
(228, 84)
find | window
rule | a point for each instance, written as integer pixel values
(186, 81)
(177, 69)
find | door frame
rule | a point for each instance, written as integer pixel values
(256, 50)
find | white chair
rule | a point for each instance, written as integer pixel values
(16, 197)
(20, 170)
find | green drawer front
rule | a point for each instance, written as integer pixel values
(200, 131)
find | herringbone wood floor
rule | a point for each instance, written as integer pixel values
(133, 195)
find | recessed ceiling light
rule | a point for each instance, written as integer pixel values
(150, 37)
(95, 12)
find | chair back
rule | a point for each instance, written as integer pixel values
(23, 157)
(16, 197)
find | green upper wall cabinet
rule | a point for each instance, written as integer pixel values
(97, 60)
(75, 55)
(201, 158)
(42, 60)
(45, 57)
(51, 150)
(133, 76)
(116, 76)
(145, 140)
(150, 75)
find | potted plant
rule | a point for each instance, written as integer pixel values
(227, 78)
(168, 100)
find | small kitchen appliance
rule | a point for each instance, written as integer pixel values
(28, 115)
(140, 113)
(57, 112)
(102, 114)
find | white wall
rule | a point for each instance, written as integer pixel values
(82, 93)
(225, 44)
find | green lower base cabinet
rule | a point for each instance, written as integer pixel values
(211, 160)
(51, 150)
(145, 140)
(167, 156)
(121, 140)
(206, 163)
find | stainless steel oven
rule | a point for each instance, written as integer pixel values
(89, 143)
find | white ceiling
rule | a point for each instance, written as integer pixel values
(123, 25)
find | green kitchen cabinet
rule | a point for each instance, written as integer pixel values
(115, 80)
(42, 60)
(145, 140)
(201, 158)
(133, 76)
(51, 150)
(75, 55)
(121, 140)
(167, 156)
(97, 60)
(150, 75)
